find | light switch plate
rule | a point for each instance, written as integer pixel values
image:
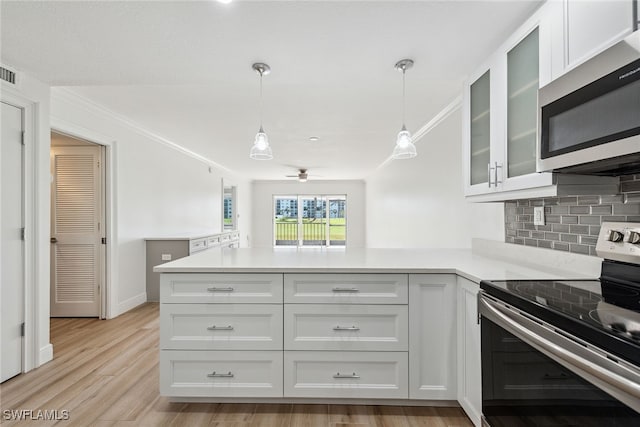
(538, 215)
(166, 257)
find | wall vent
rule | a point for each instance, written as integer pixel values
(7, 75)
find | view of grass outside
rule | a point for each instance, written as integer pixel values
(312, 229)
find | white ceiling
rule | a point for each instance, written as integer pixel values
(182, 69)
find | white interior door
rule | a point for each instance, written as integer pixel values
(12, 249)
(76, 231)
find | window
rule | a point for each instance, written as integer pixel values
(228, 208)
(317, 220)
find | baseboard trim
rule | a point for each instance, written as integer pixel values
(310, 400)
(46, 354)
(131, 303)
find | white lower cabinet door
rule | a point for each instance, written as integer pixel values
(345, 327)
(334, 374)
(432, 340)
(469, 366)
(202, 373)
(221, 326)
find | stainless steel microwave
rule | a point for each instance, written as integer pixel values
(589, 119)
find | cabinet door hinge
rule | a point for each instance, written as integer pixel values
(22, 137)
(22, 329)
(22, 232)
(104, 240)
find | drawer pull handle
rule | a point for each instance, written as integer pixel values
(347, 376)
(214, 289)
(216, 375)
(337, 289)
(346, 328)
(220, 328)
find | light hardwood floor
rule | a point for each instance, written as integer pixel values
(105, 373)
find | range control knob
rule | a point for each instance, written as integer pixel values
(616, 236)
(634, 237)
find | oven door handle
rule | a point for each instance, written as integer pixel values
(619, 381)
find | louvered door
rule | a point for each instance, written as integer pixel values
(76, 222)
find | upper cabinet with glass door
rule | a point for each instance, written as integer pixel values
(550, 42)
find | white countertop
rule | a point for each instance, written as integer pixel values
(365, 260)
(190, 236)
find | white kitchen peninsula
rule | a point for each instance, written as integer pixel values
(385, 326)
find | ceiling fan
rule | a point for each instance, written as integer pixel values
(302, 175)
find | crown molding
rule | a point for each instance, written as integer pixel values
(68, 95)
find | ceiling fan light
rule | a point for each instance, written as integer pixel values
(302, 177)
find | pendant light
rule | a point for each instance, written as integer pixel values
(404, 149)
(261, 149)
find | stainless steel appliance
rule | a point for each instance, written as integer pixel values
(589, 119)
(566, 352)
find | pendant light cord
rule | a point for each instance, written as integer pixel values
(260, 101)
(404, 102)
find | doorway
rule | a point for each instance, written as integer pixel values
(78, 229)
(12, 286)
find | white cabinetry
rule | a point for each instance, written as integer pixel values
(500, 113)
(346, 335)
(345, 327)
(592, 26)
(221, 373)
(468, 346)
(264, 335)
(500, 106)
(221, 335)
(432, 351)
(332, 374)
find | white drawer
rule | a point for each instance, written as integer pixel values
(197, 245)
(346, 327)
(220, 288)
(346, 374)
(212, 242)
(221, 327)
(346, 288)
(225, 237)
(221, 373)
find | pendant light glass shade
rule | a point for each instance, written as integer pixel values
(404, 149)
(261, 149)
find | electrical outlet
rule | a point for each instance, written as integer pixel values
(166, 257)
(538, 215)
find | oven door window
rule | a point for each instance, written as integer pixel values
(523, 387)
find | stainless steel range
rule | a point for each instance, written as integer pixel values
(566, 352)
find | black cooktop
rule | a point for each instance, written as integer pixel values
(603, 312)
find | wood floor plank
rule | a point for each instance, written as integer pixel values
(272, 415)
(351, 414)
(310, 416)
(106, 373)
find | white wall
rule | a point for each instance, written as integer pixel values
(262, 203)
(420, 202)
(157, 190)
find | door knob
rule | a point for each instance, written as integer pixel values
(54, 240)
